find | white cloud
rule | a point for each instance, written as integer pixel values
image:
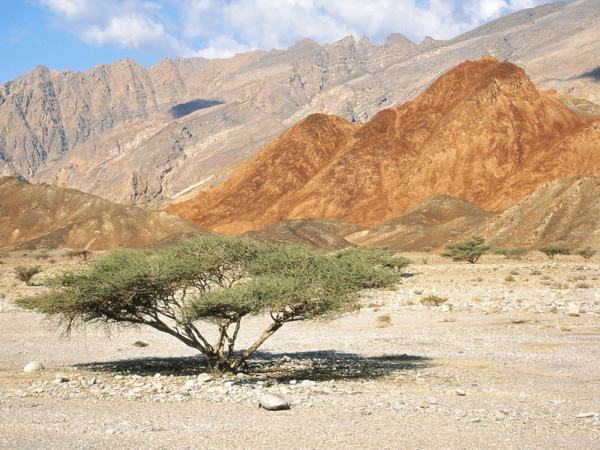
(221, 28)
(131, 24)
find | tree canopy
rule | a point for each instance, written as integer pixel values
(218, 281)
(469, 250)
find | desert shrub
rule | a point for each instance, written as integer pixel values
(586, 253)
(426, 249)
(552, 250)
(27, 273)
(583, 285)
(219, 281)
(469, 250)
(509, 278)
(42, 255)
(384, 321)
(83, 255)
(432, 300)
(425, 260)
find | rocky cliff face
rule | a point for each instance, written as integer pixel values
(482, 133)
(47, 217)
(150, 136)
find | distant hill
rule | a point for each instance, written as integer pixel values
(432, 223)
(482, 132)
(47, 217)
(319, 234)
(565, 211)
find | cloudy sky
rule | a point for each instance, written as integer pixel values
(79, 34)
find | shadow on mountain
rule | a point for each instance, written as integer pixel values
(594, 74)
(317, 365)
(183, 109)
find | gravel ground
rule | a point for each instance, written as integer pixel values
(499, 364)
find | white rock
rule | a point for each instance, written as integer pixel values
(460, 392)
(190, 384)
(241, 375)
(308, 384)
(585, 415)
(273, 402)
(33, 367)
(573, 310)
(204, 377)
(110, 431)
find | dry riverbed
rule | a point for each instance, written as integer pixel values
(499, 364)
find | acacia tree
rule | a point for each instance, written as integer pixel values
(469, 250)
(218, 281)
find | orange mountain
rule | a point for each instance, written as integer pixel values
(482, 132)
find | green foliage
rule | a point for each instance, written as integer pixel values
(586, 253)
(384, 321)
(219, 281)
(509, 278)
(426, 249)
(425, 260)
(512, 253)
(27, 273)
(432, 300)
(469, 250)
(554, 249)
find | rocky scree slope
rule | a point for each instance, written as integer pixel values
(48, 217)
(565, 211)
(482, 133)
(151, 136)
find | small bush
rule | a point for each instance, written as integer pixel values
(425, 260)
(42, 255)
(81, 254)
(432, 300)
(426, 249)
(586, 253)
(554, 249)
(509, 278)
(26, 273)
(384, 321)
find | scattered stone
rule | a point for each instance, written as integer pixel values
(308, 384)
(190, 384)
(514, 272)
(565, 328)
(475, 420)
(204, 377)
(553, 309)
(33, 367)
(573, 310)
(585, 415)
(273, 402)
(460, 392)
(140, 344)
(111, 431)
(91, 381)
(241, 375)
(535, 272)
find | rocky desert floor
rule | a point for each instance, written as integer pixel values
(498, 365)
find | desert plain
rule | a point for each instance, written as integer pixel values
(498, 364)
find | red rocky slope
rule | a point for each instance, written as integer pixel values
(482, 132)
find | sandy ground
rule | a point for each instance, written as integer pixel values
(525, 354)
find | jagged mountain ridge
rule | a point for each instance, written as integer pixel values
(482, 132)
(40, 216)
(146, 136)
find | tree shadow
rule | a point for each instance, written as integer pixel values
(315, 365)
(183, 109)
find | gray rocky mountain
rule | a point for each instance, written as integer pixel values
(152, 136)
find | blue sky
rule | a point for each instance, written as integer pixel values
(79, 34)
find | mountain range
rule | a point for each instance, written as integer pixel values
(482, 132)
(156, 136)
